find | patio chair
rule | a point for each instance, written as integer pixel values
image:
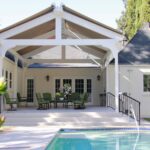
(80, 104)
(10, 101)
(73, 97)
(21, 99)
(48, 97)
(42, 104)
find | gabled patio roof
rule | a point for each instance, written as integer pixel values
(62, 26)
(46, 30)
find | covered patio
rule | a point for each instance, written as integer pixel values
(59, 37)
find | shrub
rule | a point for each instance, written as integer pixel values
(2, 120)
(3, 86)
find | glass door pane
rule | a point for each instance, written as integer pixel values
(30, 90)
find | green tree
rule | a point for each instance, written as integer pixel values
(136, 13)
(145, 11)
(131, 17)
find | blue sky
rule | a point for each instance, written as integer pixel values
(105, 11)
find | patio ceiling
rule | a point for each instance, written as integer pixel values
(83, 31)
(37, 31)
(47, 31)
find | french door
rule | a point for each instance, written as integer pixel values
(30, 90)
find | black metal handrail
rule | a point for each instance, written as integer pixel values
(110, 100)
(125, 103)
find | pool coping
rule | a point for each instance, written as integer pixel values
(69, 130)
(103, 128)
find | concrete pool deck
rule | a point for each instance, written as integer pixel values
(33, 129)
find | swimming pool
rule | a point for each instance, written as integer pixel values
(101, 139)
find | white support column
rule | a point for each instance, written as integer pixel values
(58, 28)
(1, 64)
(63, 52)
(58, 24)
(2, 55)
(23, 91)
(16, 78)
(116, 81)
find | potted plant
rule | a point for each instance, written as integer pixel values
(3, 86)
(67, 90)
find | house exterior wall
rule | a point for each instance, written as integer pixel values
(9, 66)
(41, 85)
(131, 82)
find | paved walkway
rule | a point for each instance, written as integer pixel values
(33, 129)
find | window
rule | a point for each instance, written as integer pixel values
(10, 80)
(146, 83)
(89, 86)
(6, 76)
(89, 89)
(30, 90)
(79, 86)
(67, 81)
(57, 85)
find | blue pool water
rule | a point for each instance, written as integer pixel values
(102, 139)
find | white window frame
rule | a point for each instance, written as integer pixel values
(73, 78)
(145, 92)
(34, 88)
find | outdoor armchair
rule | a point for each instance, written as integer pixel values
(10, 101)
(72, 98)
(21, 99)
(48, 97)
(42, 104)
(81, 103)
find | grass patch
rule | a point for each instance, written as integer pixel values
(147, 119)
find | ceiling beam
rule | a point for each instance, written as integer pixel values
(103, 43)
(31, 61)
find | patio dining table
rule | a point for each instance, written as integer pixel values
(64, 102)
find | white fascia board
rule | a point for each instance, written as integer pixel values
(28, 25)
(91, 26)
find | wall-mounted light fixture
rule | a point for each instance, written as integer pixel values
(47, 77)
(98, 77)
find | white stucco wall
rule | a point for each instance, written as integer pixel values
(9, 66)
(131, 81)
(41, 85)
